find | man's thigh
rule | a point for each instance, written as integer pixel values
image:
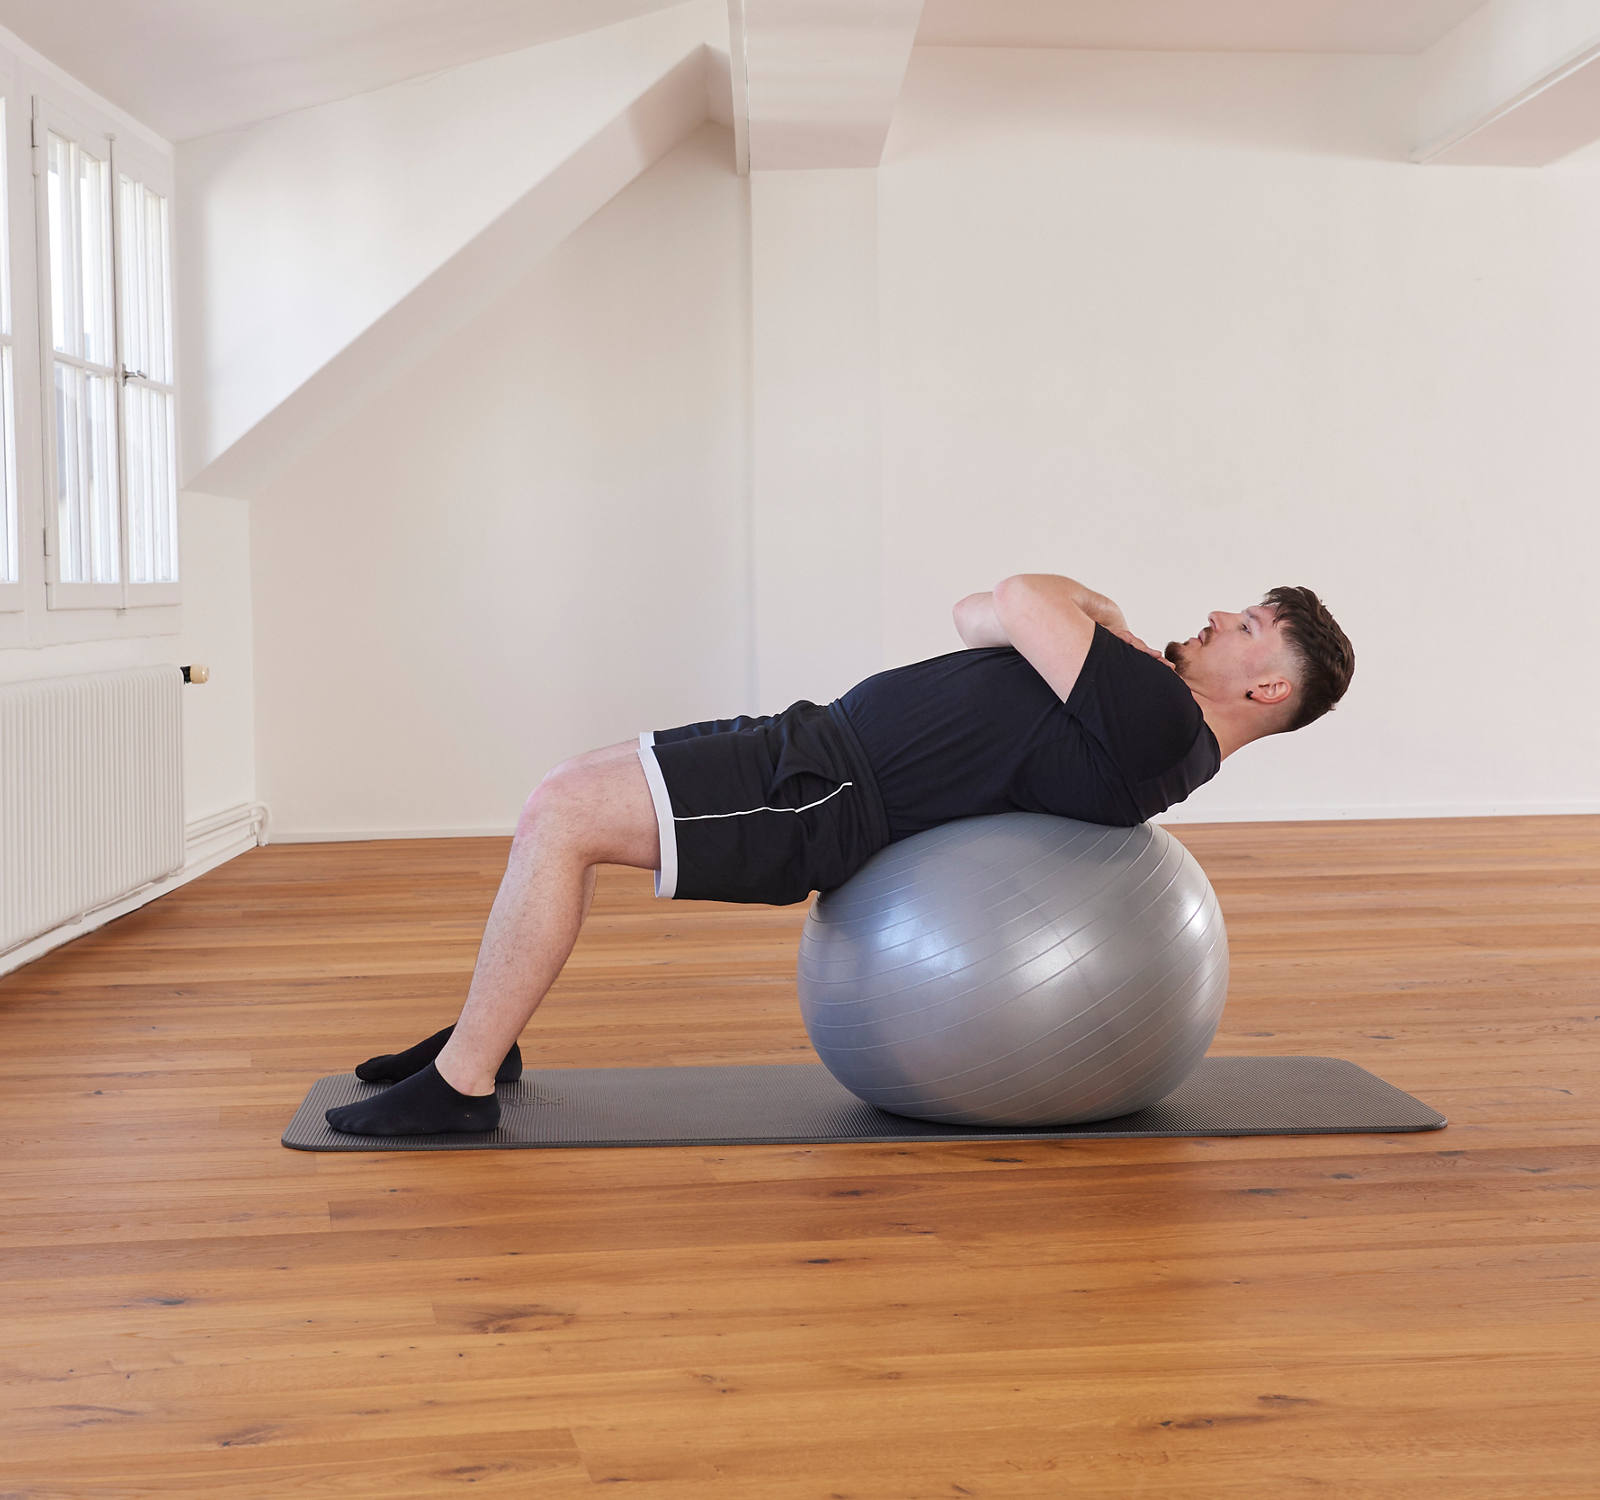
(600, 801)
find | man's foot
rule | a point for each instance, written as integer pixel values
(423, 1104)
(392, 1067)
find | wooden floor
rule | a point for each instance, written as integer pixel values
(191, 1310)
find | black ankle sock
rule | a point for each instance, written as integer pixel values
(391, 1067)
(423, 1104)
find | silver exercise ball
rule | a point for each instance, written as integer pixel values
(1019, 969)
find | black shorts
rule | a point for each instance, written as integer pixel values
(762, 809)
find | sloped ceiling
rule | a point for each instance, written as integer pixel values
(189, 68)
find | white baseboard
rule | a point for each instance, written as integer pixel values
(207, 843)
(373, 835)
(1181, 814)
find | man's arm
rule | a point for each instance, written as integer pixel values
(1043, 616)
(978, 624)
(1049, 619)
(1100, 609)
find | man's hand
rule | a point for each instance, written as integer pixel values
(1103, 611)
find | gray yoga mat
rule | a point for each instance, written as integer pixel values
(800, 1103)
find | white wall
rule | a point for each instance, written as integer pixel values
(1187, 327)
(533, 543)
(816, 473)
(1184, 326)
(219, 752)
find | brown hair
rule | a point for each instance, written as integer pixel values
(1319, 648)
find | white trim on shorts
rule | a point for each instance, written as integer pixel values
(667, 875)
(667, 824)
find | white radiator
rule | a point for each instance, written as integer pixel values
(91, 794)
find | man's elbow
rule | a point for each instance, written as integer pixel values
(1017, 594)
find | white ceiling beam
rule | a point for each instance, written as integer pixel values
(815, 81)
(1516, 84)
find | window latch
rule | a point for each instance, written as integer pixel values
(128, 375)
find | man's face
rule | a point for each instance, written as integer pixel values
(1235, 651)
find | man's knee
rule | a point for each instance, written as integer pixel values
(599, 806)
(551, 799)
(568, 795)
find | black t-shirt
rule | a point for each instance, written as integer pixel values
(979, 731)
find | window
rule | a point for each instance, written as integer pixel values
(88, 400)
(110, 473)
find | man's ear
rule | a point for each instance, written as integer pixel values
(1273, 691)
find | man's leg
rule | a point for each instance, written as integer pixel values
(590, 811)
(595, 809)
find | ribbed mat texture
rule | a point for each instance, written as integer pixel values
(800, 1103)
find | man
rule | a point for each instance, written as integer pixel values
(1055, 706)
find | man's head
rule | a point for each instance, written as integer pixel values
(1286, 656)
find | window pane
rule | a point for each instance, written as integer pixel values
(80, 253)
(86, 507)
(102, 479)
(165, 553)
(132, 276)
(94, 264)
(161, 289)
(5, 238)
(146, 281)
(151, 464)
(9, 572)
(135, 455)
(69, 484)
(150, 437)
(152, 531)
(9, 565)
(63, 306)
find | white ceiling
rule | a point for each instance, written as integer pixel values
(1194, 25)
(192, 67)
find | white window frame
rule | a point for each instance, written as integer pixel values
(122, 157)
(52, 117)
(152, 610)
